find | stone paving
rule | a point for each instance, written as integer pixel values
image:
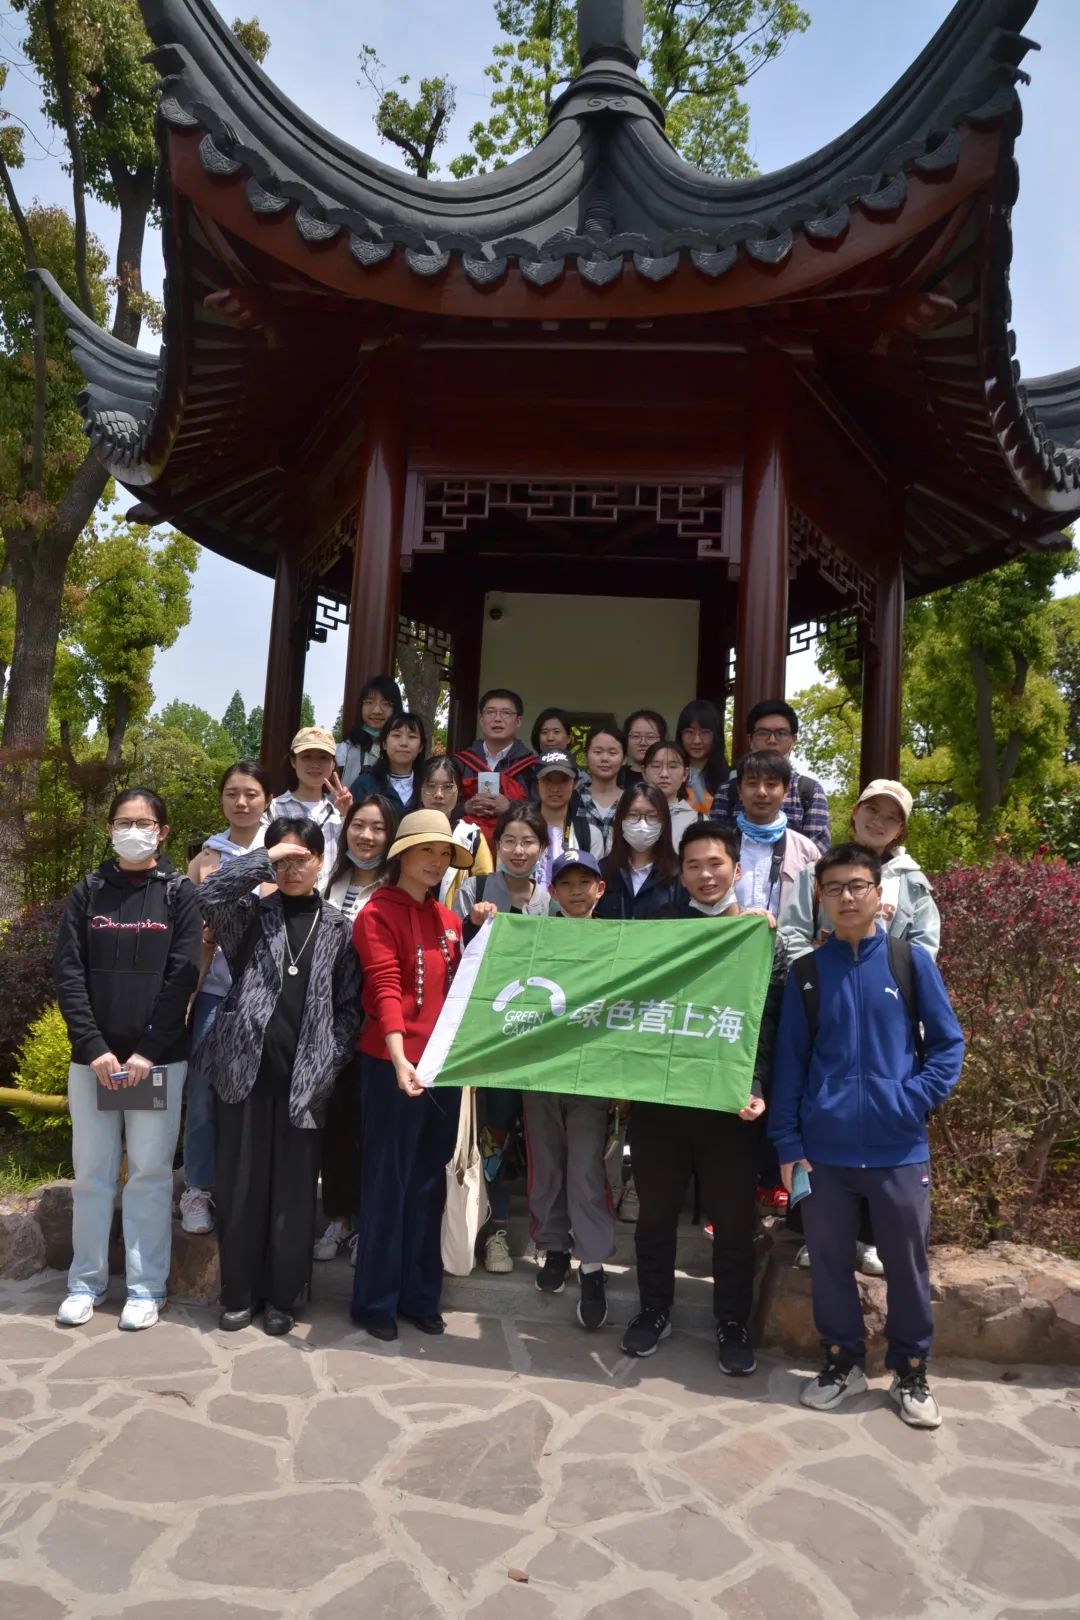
(187, 1474)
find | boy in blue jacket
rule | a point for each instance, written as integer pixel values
(849, 1103)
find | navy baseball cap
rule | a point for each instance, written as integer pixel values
(572, 858)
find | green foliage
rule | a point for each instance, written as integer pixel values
(136, 599)
(200, 728)
(42, 1066)
(244, 730)
(28, 1162)
(307, 711)
(1064, 616)
(253, 37)
(417, 128)
(185, 776)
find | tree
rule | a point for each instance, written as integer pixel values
(1064, 616)
(98, 97)
(698, 57)
(307, 711)
(130, 596)
(197, 727)
(234, 721)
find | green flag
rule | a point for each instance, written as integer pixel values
(665, 1012)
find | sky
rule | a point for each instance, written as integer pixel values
(824, 82)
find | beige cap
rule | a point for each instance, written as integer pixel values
(429, 827)
(313, 737)
(882, 788)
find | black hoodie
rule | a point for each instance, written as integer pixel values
(127, 962)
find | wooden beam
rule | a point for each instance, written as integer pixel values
(879, 755)
(285, 660)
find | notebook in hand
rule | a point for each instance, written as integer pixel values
(151, 1093)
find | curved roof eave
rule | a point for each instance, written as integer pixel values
(563, 200)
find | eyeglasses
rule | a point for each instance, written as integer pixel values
(498, 714)
(858, 889)
(125, 824)
(649, 737)
(292, 863)
(524, 845)
(772, 734)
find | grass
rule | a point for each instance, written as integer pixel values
(27, 1162)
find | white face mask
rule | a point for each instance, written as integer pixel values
(641, 834)
(135, 844)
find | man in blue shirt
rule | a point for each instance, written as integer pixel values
(853, 1081)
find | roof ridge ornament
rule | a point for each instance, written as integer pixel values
(611, 28)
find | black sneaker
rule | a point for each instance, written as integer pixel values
(645, 1332)
(592, 1306)
(736, 1353)
(551, 1278)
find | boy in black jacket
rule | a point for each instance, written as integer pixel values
(670, 1144)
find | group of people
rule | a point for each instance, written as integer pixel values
(288, 984)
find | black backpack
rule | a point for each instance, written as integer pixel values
(899, 966)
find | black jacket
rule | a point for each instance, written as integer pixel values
(127, 962)
(654, 899)
(231, 1052)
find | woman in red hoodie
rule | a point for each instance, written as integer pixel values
(408, 945)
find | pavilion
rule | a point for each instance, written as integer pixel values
(718, 418)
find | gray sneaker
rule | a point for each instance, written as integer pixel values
(833, 1384)
(911, 1393)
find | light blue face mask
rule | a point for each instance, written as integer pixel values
(508, 872)
(364, 866)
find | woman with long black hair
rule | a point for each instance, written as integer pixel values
(360, 870)
(402, 745)
(379, 699)
(440, 789)
(286, 1028)
(700, 730)
(642, 871)
(127, 962)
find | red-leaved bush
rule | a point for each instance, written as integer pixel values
(1008, 1141)
(27, 942)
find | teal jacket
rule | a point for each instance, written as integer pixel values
(915, 918)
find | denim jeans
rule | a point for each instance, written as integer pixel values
(199, 1119)
(147, 1198)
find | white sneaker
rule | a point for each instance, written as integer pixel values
(911, 1393)
(327, 1246)
(77, 1309)
(833, 1384)
(868, 1261)
(629, 1207)
(802, 1259)
(195, 1213)
(138, 1314)
(497, 1256)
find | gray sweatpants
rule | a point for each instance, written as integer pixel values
(569, 1198)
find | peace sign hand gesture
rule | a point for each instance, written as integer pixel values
(340, 795)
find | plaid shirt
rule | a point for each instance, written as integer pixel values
(813, 822)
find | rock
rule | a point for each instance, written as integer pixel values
(22, 1247)
(52, 1211)
(95, 1548)
(1007, 1303)
(195, 1273)
(501, 1471)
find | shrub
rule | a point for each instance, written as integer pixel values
(1010, 956)
(27, 942)
(42, 1067)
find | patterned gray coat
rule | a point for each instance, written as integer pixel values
(231, 1052)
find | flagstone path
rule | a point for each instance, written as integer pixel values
(188, 1474)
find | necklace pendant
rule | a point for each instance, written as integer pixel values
(293, 971)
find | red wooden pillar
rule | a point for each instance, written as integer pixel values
(285, 662)
(468, 632)
(376, 580)
(762, 630)
(883, 663)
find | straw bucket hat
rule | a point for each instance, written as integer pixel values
(429, 827)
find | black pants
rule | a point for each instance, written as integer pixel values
(341, 1147)
(266, 1177)
(668, 1145)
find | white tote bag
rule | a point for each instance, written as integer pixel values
(467, 1206)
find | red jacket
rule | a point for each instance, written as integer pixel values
(387, 935)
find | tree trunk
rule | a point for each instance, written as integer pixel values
(421, 676)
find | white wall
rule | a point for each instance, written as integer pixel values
(591, 654)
